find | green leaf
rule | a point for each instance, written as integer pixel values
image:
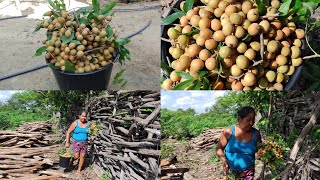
(52, 66)
(166, 68)
(175, 30)
(202, 73)
(76, 42)
(40, 51)
(108, 7)
(188, 5)
(122, 41)
(197, 85)
(109, 31)
(118, 80)
(66, 40)
(119, 74)
(313, 69)
(184, 75)
(184, 84)
(69, 67)
(314, 87)
(193, 32)
(52, 5)
(84, 21)
(169, 19)
(309, 77)
(49, 37)
(206, 84)
(246, 37)
(284, 8)
(261, 7)
(96, 5)
(39, 26)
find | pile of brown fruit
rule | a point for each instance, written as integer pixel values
(87, 47)
(240, 49)
(271, 148)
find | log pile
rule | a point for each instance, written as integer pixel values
(26, 153)
(128, 143)
(35, 134)
(206, 140)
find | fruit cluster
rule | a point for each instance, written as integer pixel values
(239, 49)
(94, 129)
(70, 40)
(271, 148)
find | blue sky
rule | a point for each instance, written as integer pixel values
(5, 95)
(197, 100)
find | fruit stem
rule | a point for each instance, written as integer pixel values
(267, 16)
(315, 53)
(312, 56)
(164, 39)
(261, 46)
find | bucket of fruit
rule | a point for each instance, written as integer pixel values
(64, 157)
(232, 45)
(81, 45)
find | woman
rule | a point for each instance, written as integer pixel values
(238, 144)
(80, 129)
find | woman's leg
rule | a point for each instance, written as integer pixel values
(81, 161)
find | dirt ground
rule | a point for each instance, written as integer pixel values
(18, 45)
(199, 161)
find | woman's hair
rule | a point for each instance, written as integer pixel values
(82, 112)
(244, 111)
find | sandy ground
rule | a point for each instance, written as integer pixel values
(18, 45)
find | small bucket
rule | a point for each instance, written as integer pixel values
(64, 161)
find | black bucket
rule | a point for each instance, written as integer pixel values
(95, 80)
(166, 45)
(64, 161)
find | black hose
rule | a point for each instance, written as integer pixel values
(22, 72)
(46, 65)
(13, 17)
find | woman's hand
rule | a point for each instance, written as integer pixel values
(67, 144)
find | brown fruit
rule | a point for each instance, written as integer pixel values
(283, 69)
(286, 31)
(230, 9)
(231, 41)
(228, 62)
(213, 3)
(263, 83)
(246, 6)
(246, 24)
(218, 86)
(218, 12)
(280, 78)
(253, 15)
(281, 60)
(204, 54)
(291, 70)
(196, 65)
(224, 51)
(273, 64)
(235, 18)
(228, 28)
(206, 33)
(242, 62)
(211, 44)
(255, 46)
(297, 42)
(271, 76)
(216, 25)
(204, 23)
(239, 32)
(242, 47)
(278, 86)
(182, 63)
(190, 13)
(299, 33)
(295, 52)
(236, 85)
(219, 36)
(211, 63)
(193, 50)
(265, 26)
(249, 79)
(254, 29)
(276, 24)
(184, 21)
(167, 84)
(235, 70)
(174, 76)
(195, 19)
(250, 54)
(273, 46)
(177, 52)
(296, 62)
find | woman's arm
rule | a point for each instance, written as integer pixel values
(225, 135)
(71, 128)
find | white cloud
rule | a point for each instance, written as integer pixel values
(197, 93)
(183, 100)
(5, 95)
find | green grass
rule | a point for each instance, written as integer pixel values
(11, 119)
(214, 158)
(106, 175)
(166, 150)
(183, 124)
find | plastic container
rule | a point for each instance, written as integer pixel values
(64, 161)
(95, 80)
(166, 45)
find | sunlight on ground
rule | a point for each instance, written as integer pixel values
(11, 8)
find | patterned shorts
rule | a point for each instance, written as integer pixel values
(245, 174)
(81, 147)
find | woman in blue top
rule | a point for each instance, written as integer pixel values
(238, 144)
(80, 129)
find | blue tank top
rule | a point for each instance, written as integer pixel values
(241, 155)
(80, 134)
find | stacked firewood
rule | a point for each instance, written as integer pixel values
(128, 143)
(33, 134)
(206, 140)
(26, 152)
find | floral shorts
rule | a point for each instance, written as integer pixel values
(81, 147)
(245, 174)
